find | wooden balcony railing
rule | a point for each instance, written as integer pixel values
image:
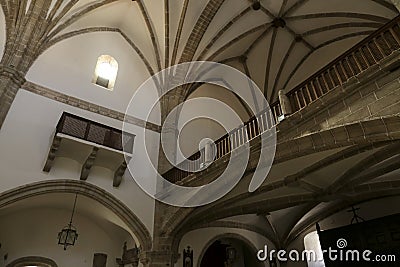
(369, 52)
(87, 130)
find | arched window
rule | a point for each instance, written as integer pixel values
(105, 72)
(311, 243)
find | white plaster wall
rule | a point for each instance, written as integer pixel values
(198, 239)
(25, 140)
(197, 129)
(315, 62)
(68, 67)
(34, 233)
(321, 58)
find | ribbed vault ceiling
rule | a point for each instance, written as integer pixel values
(278, 46)
(281, 212)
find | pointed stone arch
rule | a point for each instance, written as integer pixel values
(88, 190)
(30, 260)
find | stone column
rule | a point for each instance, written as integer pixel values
(21, 48)
(168, 145)
(29, 26)
(161, 254)
(99, 260)
(168, 102)
(10, 82)
(157, 258)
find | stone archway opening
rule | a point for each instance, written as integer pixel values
(229, 252)
(32, 261)
(126, 219)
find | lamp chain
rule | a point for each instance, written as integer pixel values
(73, 209)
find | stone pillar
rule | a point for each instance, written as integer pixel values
(169, 144)
(168, 103)
(158, 258)
(10, 82)
(21, 49)
(99, 260)
(161, 254)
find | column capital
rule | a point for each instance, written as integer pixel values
(11, 80)
(16, 76)
(158, 258)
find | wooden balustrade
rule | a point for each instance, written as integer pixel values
(357, 59)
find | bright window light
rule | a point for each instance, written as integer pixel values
(311, 242)
(106, 71)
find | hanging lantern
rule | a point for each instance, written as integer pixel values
(68, 235)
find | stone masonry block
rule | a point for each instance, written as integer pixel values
(385, 101)
(387, 89)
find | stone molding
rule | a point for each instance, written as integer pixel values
(32, 260)
(82, 104)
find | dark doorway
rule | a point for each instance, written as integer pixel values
(230, 252)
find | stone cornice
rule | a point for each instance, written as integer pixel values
(82, 104)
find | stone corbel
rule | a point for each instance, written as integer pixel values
(52, 153)
(129, 256)
(119, 173)
(87, 166)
